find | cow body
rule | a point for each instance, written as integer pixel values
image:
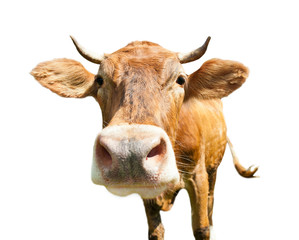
(162, 130)
(201, 131)
(199, 148)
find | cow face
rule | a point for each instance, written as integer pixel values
(140, 89)
(141, 84)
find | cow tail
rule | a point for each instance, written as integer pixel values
(247, 173)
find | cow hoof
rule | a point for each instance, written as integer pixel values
(202, 233)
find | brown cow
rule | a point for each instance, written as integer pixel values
(162, 129)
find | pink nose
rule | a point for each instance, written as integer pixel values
(110, 151)
(130, 160)
(137, 155)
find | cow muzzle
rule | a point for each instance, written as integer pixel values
(134, 159)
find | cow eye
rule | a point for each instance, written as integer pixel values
(181, 80)
(99, 80)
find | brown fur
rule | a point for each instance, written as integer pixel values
(66, 77)
(230, 76)
(140, 87)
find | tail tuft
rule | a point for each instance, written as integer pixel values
(247, 173)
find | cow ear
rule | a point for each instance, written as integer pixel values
(66, 77)
(216, 79)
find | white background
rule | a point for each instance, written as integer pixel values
(46, 141)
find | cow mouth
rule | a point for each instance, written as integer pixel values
(145, 191)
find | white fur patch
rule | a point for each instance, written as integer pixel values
(145, 193)
(212, 233)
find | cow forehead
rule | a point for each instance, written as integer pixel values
(144, 57)
(144, 48)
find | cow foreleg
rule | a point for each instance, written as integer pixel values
(155, 226)
(198, 189)
(212, 180)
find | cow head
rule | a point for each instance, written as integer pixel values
(140, 89)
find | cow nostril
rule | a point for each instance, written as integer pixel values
(157, 151)
(103, 156)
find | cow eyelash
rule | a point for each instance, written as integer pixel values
(181, 80)
(99, 80)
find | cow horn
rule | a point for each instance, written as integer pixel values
(88, 55)
(194, 55)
